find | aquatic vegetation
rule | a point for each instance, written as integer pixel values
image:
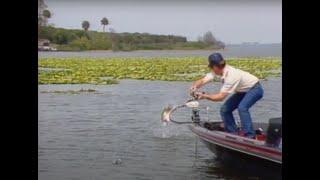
(71, 91)
(108, 70)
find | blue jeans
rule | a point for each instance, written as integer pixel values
(242, 101)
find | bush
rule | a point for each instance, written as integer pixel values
(82, 43)
(46, 32)
(63, 37)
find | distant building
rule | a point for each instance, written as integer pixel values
(43, 42)
(44, 45)
(250, 43)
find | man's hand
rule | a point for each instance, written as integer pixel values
(200, 95)
(192, 89)
(198, 84)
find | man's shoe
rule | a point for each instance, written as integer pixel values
(243, 134)
(250, 136)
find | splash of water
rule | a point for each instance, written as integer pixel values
(165, 130)
(117, 161)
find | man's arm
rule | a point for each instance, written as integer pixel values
(228, 87)
(213, 97)
(201, 82)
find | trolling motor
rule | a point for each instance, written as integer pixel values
(195, 116)
(191, 103)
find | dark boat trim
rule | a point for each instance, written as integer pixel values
(248, 146)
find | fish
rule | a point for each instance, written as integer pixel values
(167, 111)
(166, 114)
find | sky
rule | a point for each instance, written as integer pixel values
(232, 22)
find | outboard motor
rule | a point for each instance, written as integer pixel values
(274, 132)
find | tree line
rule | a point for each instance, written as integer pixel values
(76, 39)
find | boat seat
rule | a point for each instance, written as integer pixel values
(274, 132)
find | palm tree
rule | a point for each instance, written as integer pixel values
(41, 6)
(46, 13)
(85, 25)
(104, 21)
(43, 13)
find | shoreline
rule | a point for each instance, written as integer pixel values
(232, 51)
(110, 51)
(227, 53)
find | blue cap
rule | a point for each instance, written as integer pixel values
(215, 59)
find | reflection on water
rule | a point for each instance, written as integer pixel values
(235, 170)
(117, 133)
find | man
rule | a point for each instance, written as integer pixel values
(244, 87)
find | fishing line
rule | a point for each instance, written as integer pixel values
(194, 165)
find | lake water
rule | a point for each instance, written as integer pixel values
(274, 50)
(115, 133)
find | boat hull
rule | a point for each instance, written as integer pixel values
(228, 146)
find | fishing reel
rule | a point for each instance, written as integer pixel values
(194, 95)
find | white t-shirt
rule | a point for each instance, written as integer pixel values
(235, 80)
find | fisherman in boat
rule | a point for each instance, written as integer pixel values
(244, 87)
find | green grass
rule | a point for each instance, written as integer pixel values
(94, 70)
